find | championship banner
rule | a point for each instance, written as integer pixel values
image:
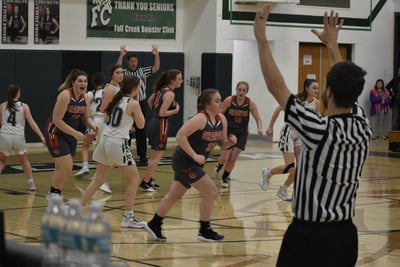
(46, 22)
(147, 19)
(14, 22)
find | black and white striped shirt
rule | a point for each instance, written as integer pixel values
(330, 162)
(142, 73)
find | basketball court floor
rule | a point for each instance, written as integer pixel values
(253, 221)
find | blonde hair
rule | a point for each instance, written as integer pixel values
(72, 76)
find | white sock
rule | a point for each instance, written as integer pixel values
(30, 180)
(284, 187)
(85, 164)
(129, 213)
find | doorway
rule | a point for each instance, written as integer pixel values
(314, 64)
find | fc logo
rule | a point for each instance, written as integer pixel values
(101, 15)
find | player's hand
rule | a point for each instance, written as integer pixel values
(123, 50)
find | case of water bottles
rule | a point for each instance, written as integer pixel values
(71, 238)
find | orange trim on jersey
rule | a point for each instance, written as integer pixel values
(164, 127)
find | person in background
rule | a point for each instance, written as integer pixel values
(237, 109)
(394, 88)
(289, 141)
(95, 99)
(113, 148)
(62, 134)
(196, 139)
(163, 105)
(334, 151)
(49, 26)
(16, 24)
(13, 114)
(380, 100)
(133, 69)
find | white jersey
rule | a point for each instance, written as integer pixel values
(119, 123)
(13, 122)
(95, 99)
(311, 105)
(115, 87)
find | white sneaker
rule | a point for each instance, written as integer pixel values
(264, 178)
(82, 172)
(105, 188)
(51, 195)
(282, 194)
(132, 222)
(216, 172)
(224, 182)
(31, 186)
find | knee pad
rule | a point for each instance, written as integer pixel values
(288, 167)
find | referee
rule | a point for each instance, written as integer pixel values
(334, 150)
(133, 69)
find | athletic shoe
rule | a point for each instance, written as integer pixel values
(31, 186)
(82, 172)
(209, 235)
(105, 188)
(153, 183)
(264, 178)
(224, 182)
(132, 222)
(51, 195)
(282, 194)
(147, 186)
(155, 231)
(142, 162)
(216, 172)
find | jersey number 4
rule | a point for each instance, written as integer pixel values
(12, 118)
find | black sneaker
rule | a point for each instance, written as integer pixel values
(209, 235)
(142, 162)
(155, 231)
(153, 183)
(147, 186)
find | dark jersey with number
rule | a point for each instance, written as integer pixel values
(72, 117)
(237, 115)
(204, 141)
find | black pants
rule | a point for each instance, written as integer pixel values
(140, 134)
(333, 244)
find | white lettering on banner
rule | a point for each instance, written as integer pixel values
(144, 6)
(146, 17)
(118, 28)
(166, 29)
(150, 29)
(103, 19)
(129, 28)
(161, 7)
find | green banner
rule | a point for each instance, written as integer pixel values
(155, 19)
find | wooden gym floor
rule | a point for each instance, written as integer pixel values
(253, 221)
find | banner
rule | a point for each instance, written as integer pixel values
(147, 19)
(14, 22)
(46, 22)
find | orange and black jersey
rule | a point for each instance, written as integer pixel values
(158, 101)
(203, 141)
(76, 108)
(237, 115)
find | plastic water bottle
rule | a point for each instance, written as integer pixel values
(97, 237)
(71, 235)
(52, 224)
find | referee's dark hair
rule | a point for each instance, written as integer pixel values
(346, 81)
